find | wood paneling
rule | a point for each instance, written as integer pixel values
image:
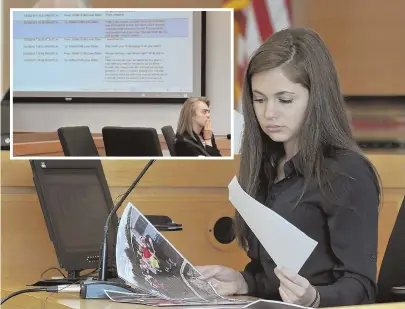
(365, 38)
(24, 231)
(25, 245)
(121, 173)
(169, 188)
(391, 169)
(193, 193)
(47, 144)
(392, 200)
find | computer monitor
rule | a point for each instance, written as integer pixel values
(5, 121)
(75, 201)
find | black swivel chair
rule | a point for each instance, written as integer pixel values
(77, 142)
(5, 121)
(131, 142)
(170, 138)
(391, 279)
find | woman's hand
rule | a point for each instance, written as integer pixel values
(207, 131)
(225, 281)
(296, 289)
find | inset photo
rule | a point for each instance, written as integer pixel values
(123, 83)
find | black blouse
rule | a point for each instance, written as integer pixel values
(343, 266)
(186, 146)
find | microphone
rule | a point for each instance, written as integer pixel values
(95, 289)
(104, 254)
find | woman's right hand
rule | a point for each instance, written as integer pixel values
(225, 281)
(207, 132)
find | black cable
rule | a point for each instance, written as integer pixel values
(52, 268)
(88, 274)
(42, 289)
(56, 290)
(52, 290)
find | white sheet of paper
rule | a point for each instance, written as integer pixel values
(238, 124)
(284, 242)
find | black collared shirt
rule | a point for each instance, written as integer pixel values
(186, 146)
(343, 266)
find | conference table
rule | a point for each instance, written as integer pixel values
(43, 300)
(47, 144)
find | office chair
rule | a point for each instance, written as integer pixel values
(391, 279)
(170, 138)
(131, 142)
(5, 121)
(77, 142)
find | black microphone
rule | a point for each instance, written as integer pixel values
(95, 289)
(104, 254)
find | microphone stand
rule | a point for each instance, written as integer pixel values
(95, 289)
(104, 256)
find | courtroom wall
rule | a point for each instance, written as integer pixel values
(365, 38)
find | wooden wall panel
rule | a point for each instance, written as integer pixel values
(392, 200)
(193, 193)
(26, 250)
(169, 188)
(121, 173)
(365, 38)
(23, 230)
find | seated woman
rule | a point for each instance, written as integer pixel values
(299, 159)
(194, 135)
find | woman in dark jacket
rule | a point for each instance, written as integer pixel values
(194, 135)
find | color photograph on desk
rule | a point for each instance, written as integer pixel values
(147, 261)
(122, 83)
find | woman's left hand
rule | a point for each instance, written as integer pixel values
(295, 289)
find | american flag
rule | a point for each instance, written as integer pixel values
(255, 21)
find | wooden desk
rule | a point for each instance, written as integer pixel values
(191, 192)
(41, 300)
(47, 144)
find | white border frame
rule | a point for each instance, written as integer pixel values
(231, 157)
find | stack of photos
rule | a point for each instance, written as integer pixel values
(148, 262)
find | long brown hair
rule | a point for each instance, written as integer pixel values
(185, 123)
(305, 59)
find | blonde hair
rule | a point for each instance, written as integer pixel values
(185, 123)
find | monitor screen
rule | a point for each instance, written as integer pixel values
(128, 56)
(75, 201)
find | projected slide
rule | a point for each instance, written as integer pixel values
(107, 54)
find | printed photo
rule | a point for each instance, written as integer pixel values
(148, 261)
